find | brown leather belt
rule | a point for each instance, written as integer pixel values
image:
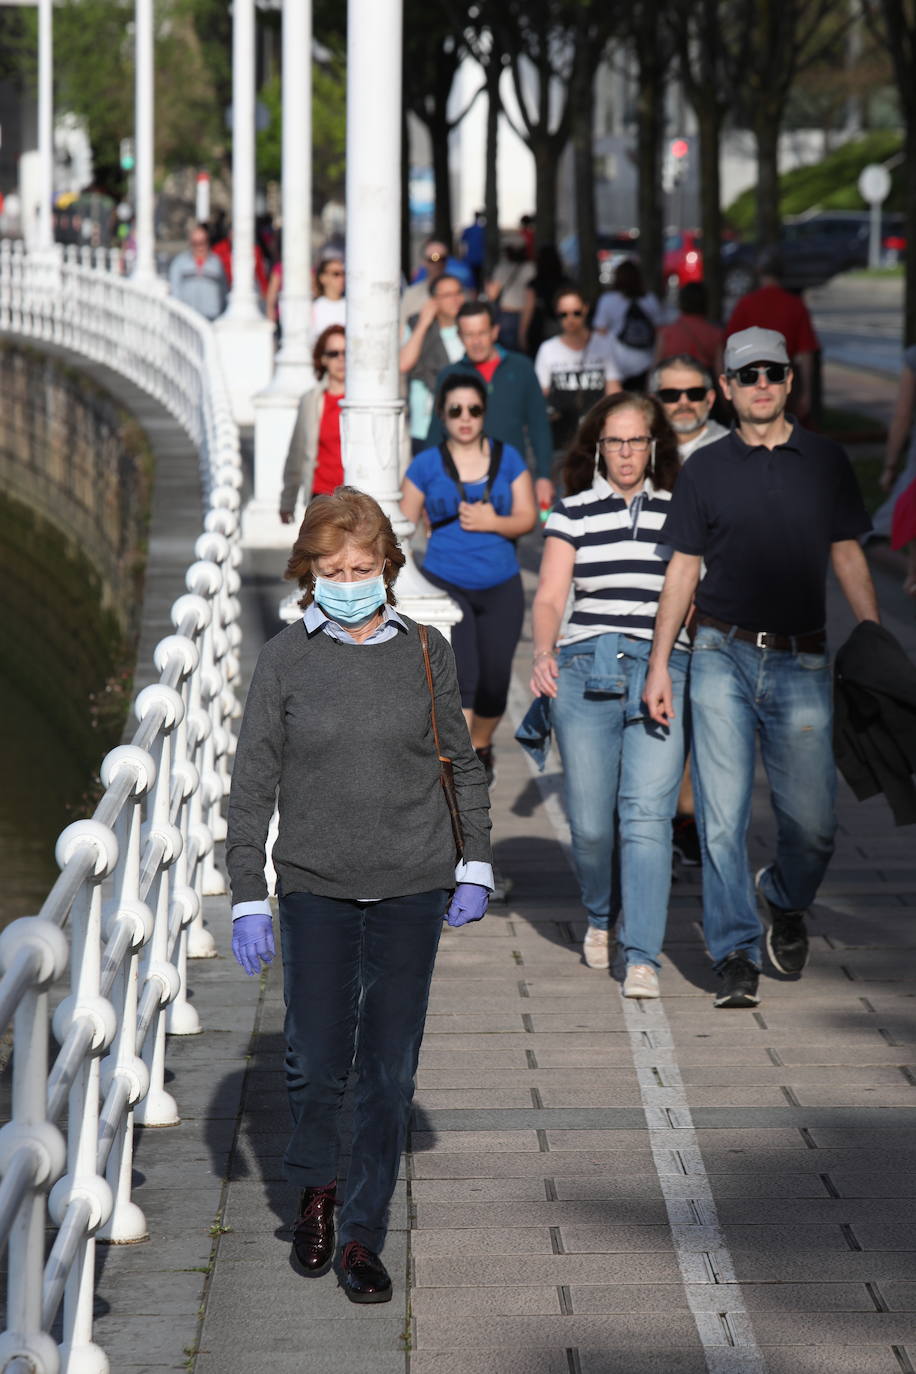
(815, 643)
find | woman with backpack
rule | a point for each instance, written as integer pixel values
(630, 315)
(477, 498)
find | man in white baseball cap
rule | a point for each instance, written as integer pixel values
(767, 507)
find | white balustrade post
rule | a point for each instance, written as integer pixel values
(371, 414)
(29, 1131)
(245, 336)
(144, 147)
(275, 408)
(158, 1108)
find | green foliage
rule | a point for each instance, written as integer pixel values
(94, 76)
(329, 137)
(829, 184)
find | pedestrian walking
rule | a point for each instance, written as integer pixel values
(344, 726)
(516, 409)
(691, 332)
(436, 261)
(900, 451)
(474, 246)
(771, 306)
(686, 390)
(196, 276)
(329, 306)
(575, 368)
(506, 290)
(432, 342)
(603, 542)
(767, 507)
(631, 316)
(314, 461)
(687, 393)
(476, 493)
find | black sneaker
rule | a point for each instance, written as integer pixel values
(787, 939)
(685, 841)
(739, 982)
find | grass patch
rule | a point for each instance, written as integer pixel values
(870, 273)
(851, 426)
(868, 470)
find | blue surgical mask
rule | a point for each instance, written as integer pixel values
(350, 603)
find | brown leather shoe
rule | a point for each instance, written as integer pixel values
(361, 1274)
(313, 1231)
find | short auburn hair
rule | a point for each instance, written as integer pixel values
(328, 521)
(321, 346)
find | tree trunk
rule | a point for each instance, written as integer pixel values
(546, 158)
(442, 185)
(769, 218)
(709, 121)
(582, 105)
(491, 185)
(650, 106)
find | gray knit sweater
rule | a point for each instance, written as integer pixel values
(345, 733)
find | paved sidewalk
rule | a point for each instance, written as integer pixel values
(592, 1185)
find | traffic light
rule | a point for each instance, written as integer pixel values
(127, 155)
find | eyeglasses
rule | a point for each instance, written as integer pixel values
(562, 314)
(455, 412)
(638, 444)
(750, 375)
(335, 353)
(670, 394)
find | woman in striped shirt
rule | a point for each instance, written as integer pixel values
(603, 542)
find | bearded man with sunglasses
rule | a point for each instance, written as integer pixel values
(767, 507)
(686, 392)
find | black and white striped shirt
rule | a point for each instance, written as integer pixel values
(620, 565)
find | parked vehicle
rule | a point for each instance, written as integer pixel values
(815, 248)
(683, 261)
(612, 249)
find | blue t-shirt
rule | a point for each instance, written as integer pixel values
(465, 557)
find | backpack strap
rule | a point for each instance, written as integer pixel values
(496, 457)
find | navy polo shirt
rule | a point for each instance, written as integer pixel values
(764, 520)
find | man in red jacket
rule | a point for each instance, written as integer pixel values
(771, 306)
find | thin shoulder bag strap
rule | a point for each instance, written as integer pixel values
(423, 631)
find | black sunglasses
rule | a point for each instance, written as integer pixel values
(750, 375)
(455, 412)
(335, 353)
(670, 394)
(562, 314)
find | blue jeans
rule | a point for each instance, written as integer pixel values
(615, 759)
(356, 979)
(738, 691)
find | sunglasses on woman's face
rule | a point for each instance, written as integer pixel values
(335, 353)
(566, 314)
(455, 412)
(749, 376)
(670, 394)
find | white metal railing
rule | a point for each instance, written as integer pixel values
(133, 876)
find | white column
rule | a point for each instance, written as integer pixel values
(44, 232)
(245, 336)
(371, 416)
(275, 408)
(243, 301)
(144, 149)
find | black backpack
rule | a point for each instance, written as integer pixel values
(637, 330)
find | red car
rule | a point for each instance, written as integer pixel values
(683, 261)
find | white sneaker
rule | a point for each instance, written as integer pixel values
(641, 981)
(595, 948)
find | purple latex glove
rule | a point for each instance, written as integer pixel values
(469, 903)
(252, 941)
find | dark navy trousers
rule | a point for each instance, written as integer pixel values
(356, 979)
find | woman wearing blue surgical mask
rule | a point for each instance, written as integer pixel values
(338, 729)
